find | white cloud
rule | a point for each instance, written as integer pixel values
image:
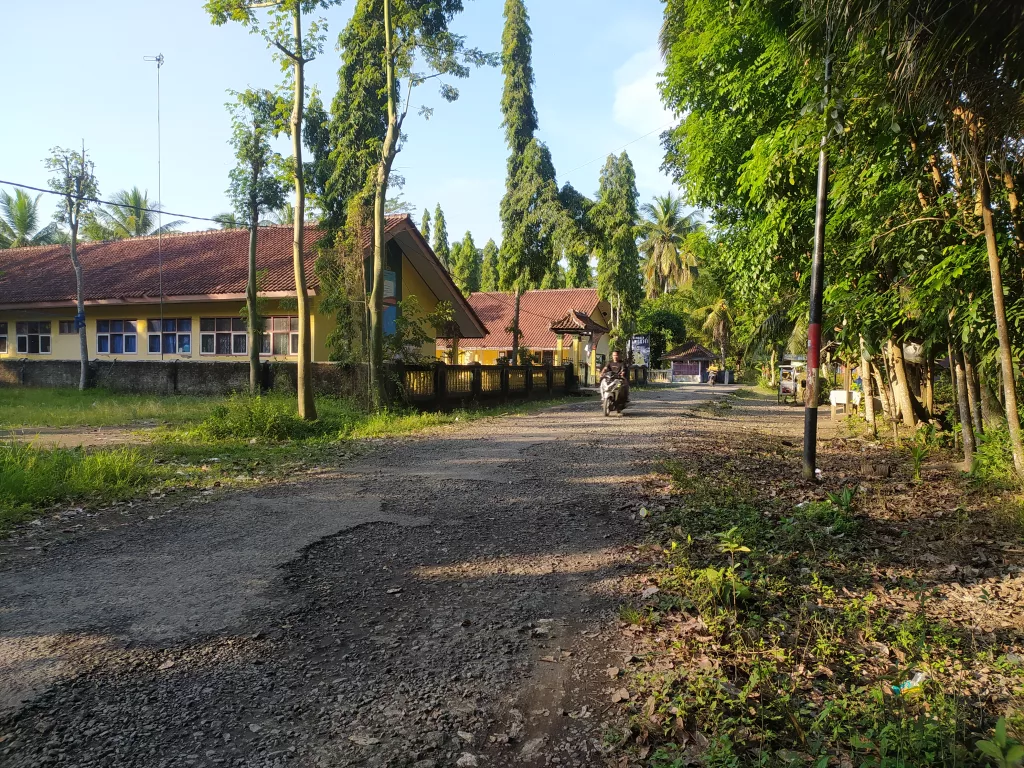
(638, 110)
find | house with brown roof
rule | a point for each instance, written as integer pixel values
(180, 296)
(558, 326)
(690, 363)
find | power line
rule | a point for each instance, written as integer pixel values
(627, 144)
(109, 202)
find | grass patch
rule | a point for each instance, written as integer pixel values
(229, 442)
(31, 477)
(794, 631)
(27, 407)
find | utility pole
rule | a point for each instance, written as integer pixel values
(159, 59)
(817, 287)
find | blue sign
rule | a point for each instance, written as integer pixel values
(80, 321)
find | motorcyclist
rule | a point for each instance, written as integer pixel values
(618, 367)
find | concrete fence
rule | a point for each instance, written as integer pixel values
(180, 377)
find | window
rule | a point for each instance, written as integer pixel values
(66, 327)
(170, 336)
(116, 337)
(3, 338)
(34, 337)
(282, 336)
(222, 336)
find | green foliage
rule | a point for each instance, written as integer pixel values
(73, 177)
(668, 263)
(615, 219)
(440, 242)
(244, 417)
(1004, 751)
(20, 221)
(130, 215)
(489, 267)
(467, 265)
(663, 319)
(519, 114)
(425, 225)
(410, 335)
(31, 477)
(257, 182)
(993, 458)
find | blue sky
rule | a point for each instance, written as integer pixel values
(596, 67)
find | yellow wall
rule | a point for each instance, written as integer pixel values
(413, 285)
(65, 346)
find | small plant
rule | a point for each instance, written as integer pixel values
(918, 453)
(1004, 751)
(731, 543)
(246, 418)
(843, 500)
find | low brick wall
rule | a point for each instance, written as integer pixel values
(176, 377)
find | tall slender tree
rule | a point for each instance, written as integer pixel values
(73, 177)
(466, 265)
(530, 209)
(425, 225)
(615, 219)
(440, 242)
(20, 221)
(255, 187)
(295, 48)
(489, 267)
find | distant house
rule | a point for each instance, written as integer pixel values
(689, 362)
(566, 325)
(180, 297)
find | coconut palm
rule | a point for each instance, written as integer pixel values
(19, 221)
(130, 214)
(281, 217)
(710, 311)
(668, 263)
(228, 221)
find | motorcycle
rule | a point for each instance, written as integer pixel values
(613, 394)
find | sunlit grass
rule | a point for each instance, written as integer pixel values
(26, 407)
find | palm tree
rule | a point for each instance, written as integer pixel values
(19, 221)
(129, 215)
(669, 263)
(281, 217)
(710, 311)
(228, 221)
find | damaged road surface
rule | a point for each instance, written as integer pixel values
(445, 600)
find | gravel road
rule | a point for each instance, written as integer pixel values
(445, 600)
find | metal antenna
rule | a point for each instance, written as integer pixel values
(159, 59)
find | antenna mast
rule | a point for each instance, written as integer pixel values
(159, 59)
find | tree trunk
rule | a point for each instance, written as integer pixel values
(973, 390)
(952, 380)
(773, 360)
(1015, 214)
(894, 401)
(253, 321)
(884, 391)
(379, 215)
(991, 408)
(903, 393)
(83, 343)
(515, 329)
(866, 384)
(928, 383)
(966, 426)
(1002, 331)
(306, 403)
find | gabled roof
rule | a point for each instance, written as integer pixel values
(691, 350)
(577, 322)
(214, 263)
(538, 311)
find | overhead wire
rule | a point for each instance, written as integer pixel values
(109, 202)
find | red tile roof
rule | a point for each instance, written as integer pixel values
(691, 350)
(194, 264)
(577, 322)
(537, 311)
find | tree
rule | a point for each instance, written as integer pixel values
(255, 187)
(466, 265)
(130, 214)
(489, 267)
(615, 220)
(668, 263)
(425, 225)
(530, 210)
(73, 177)
(440, 242)
(663, 319)
(228, 220)
(710, 309)
(284, 31)
(19, 221)
(575, 236)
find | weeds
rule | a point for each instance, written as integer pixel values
(32, 476)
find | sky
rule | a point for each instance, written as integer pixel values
(596, 65)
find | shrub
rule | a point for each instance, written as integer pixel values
(993, 458)
(244, 417)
